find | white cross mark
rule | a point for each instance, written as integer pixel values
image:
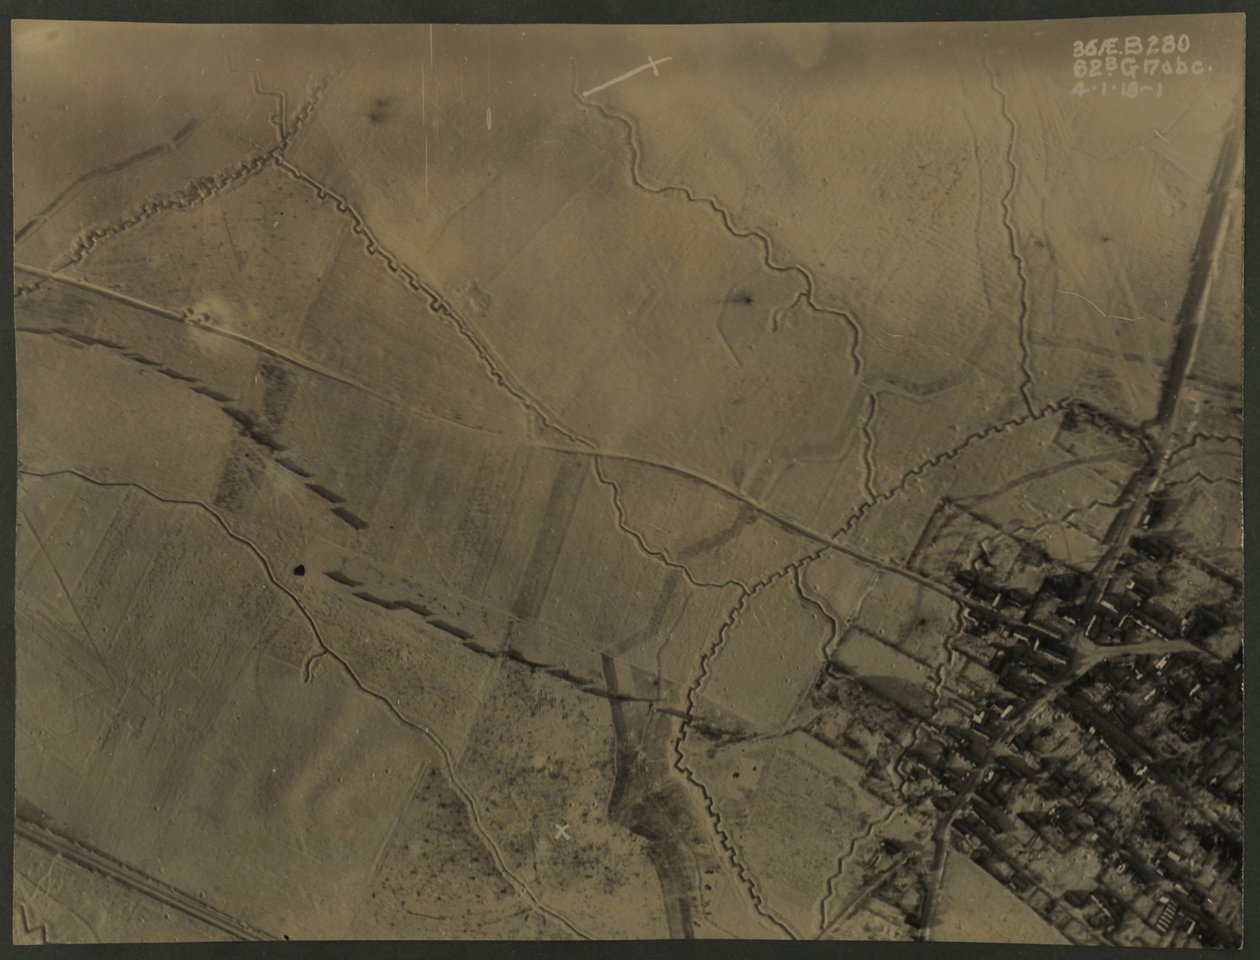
(652, 64)
(562, 831)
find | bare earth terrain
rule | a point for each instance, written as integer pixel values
(561, 482)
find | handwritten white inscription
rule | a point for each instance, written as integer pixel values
(1133, 66)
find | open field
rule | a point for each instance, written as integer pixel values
(557, 482)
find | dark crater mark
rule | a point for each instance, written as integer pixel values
(1081, 410)
(265, 439)
(740, 296)
(322, 491)
(30, 812)
(560, 673)
(93, 341)
(609, 695)
(709, 730)
(586, 684)
(378, 601)
(453, 630)
(353, 519)
(591, 687)
(417, 608)
(292, 467)
(380, 111)
(186, 131)
(517, 657)
(241, 417)
(336, 576)
(252, 429)
(299, 570)
(212, 393)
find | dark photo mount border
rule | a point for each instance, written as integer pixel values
(630, 12)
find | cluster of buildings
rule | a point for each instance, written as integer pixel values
(1158, 724)
(1073, 744)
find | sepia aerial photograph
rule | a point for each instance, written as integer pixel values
(548, 482)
